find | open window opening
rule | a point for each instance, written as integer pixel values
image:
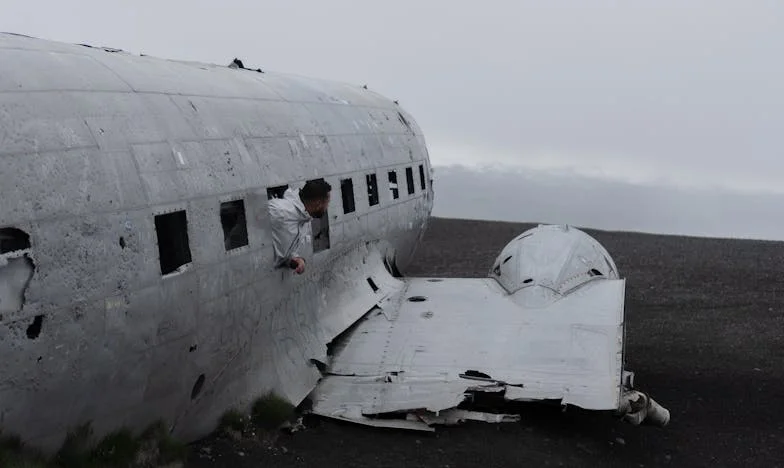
(173, 246)
(372, 187)
(422, 176)
(393, 185)
(276, 192)
(12, 240)
(320, 231)
(235, 226)
(347, 192)
(410, 180)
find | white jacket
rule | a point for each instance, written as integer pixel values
(290, 227)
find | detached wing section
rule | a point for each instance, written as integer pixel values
(547, 324)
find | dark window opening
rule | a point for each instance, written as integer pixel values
(276, 192)
(173, 247)
(372, 186)
(347, 192)
(235, 226)
(422, 176)
(372, 284)
(320, 228)
(410, 180)
(393, 185)
(12, 239)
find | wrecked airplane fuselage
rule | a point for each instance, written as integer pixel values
(136, 272)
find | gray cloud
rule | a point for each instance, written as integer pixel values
(547, 197)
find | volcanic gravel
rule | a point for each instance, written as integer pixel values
(705, 321)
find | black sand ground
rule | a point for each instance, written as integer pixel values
(705, 321)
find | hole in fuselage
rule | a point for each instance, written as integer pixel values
(197, 387)
(34, 330)
(372, 284)
(122, 242)
(529, 280)
(507, 259)
(417, 299)
(13, 239)
(476, 373)
(595, 272)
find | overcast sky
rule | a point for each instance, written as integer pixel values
(663, 95)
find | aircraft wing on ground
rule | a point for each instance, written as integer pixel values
(547, 324)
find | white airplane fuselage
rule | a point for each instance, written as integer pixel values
(130, 291)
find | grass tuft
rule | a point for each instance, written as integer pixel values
(233, 420)
(270, 411)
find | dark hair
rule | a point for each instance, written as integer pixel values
(315, 190)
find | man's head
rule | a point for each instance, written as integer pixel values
(315, 197)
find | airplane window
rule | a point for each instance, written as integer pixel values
(393, 185)
(410, 180)
(173, 247)
(235, 228)
(422, 176)
(347, 191)
(372, 186)
(276, 192)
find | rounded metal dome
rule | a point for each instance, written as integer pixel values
(551, 260)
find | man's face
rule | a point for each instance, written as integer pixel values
(319, 207)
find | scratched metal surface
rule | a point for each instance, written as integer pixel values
(94, 144)
(548, 323)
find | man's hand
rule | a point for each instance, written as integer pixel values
(298, 264)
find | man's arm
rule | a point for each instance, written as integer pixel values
(286, 238)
